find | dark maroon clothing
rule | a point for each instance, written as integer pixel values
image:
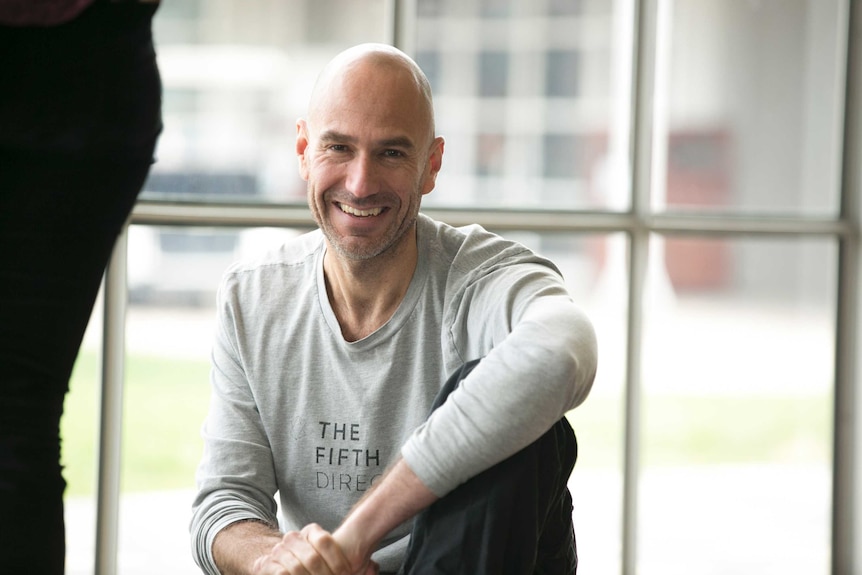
(40, 12)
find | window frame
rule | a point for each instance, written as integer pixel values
(638, 224)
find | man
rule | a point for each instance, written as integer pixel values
(330, 353)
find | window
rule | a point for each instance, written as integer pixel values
(737, 418)
(564, 7)
(563, 155)
(494, 8)
(693, 201)
(493, 74)
(491, 155)
(758, 114)
(429, 61)
(561, 78)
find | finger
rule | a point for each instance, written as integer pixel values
(371, 568)
(327, 548)
(297, 548)
(279, 562)
(289, 557)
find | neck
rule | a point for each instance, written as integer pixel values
(365, 294)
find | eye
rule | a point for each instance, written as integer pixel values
(393, 153)
(337, 148)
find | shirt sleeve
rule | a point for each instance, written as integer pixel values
(236, 478)
(539, 361)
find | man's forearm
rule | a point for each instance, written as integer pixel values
(237, 546)
(394, 500)
(397, 498)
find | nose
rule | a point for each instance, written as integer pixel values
(361, 179)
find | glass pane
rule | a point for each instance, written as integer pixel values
(596, 273)
(236, 76)
(166, 397)
(750, 121)
(532, 99)
(596, 482)
(173, 275)
(180, 265)
(738, 385)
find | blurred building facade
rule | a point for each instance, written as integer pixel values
(534, 99)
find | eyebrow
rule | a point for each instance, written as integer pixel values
(395, 142)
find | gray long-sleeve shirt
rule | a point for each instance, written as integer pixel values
(297, 410)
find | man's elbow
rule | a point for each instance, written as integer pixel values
(580, 350)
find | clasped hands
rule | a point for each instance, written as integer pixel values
(315, 551)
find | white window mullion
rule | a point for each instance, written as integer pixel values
(111, 414)
(846, 500)
(644, 47)
(400, 24)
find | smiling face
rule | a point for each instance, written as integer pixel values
(368, 152)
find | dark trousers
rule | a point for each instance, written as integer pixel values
(514, 518)
(79, 118)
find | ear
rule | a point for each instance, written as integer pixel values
(435, 162)
(302, 147)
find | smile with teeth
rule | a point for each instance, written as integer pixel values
(360, 213)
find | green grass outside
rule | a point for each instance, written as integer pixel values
(166, 401)
(706, 430)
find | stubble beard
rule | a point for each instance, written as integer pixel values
(386, 247)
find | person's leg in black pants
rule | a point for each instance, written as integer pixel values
(514, 518)
(53, 255)
(80, 116)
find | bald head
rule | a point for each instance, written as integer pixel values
(373, 73)
(369, 153)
